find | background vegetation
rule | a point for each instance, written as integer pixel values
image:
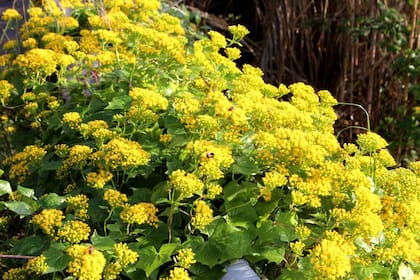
(363, 51)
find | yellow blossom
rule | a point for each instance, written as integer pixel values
(37, 265)
(48, 220)
(73, 119)
(238, 31)
(178, 273)
(203, 215)
(87, 263)
(185, 258)
(79, 203)
(11, 14)
(98, 180)
(74, 232)
(115, 198)
(5, 89)
(112, 271)
(19, 273)
(370, 142)
(186, 184)
(331, 257)
(140, 213)
(38, 60)
(125, 255)
(120, 153)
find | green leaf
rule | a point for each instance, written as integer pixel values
(19, 207)
(57, 259)
(151, 259)
(52, 200)
(405, 272)
(271, 254)
(291, 275)
(102, 242)
(275, 233)
(26, 192)
(119, 103)
(225, 243)
(5, 187)
(29, 246)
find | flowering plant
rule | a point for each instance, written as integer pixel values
(137, 148)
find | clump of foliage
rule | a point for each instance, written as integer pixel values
(135, 150)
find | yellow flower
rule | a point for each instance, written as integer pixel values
(165, 138)
(370, 142)
(112, 271)
(98, 180)
(178, 273)
(203, 215)
(19, 273)
(79, 203)
(148, 99)
(238, 31)
(233, 53)
(38, 61)
(20, 162)
(74, 232)
(87, 263)
(186, 184)
(115, 198)
(48, 220)
(297, 247)
(11, 14)
(185, 258)
(37, 265)
(73, 119)
(213, 190)
(140, 213)
(331, 257)
(125, 255)
(5, 89)
(120, 153)
(78, 155)
(217, 39)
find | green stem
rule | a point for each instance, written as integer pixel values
(107, 219)
(349, 127)
(360, 107)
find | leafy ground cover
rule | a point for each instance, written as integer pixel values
(133, 147)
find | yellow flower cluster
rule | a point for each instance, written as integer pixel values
(140, 213)
(178, 273)
(213, 159)
(203, 215)
(186, 184)
(5, 89)
(125, 255)
(98, 180)
(370, 142)
(185, 258)
(78, 156)
(74, 232)
(37, 265)
(120, 153)
(79, 204)
(19, 273)
(331, 258)
(49, 220)
(39, 61)
(87, 263)
(115, 198)
(21, 161)
(10, 14)
(73, 119)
